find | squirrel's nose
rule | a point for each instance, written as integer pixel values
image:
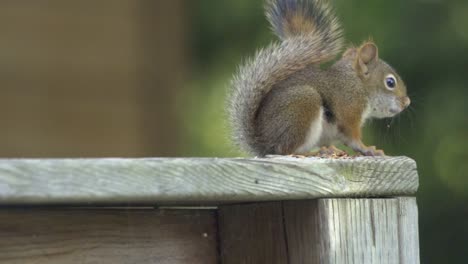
(406, 101)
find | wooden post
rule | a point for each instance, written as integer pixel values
(321, 231)
(272, 210)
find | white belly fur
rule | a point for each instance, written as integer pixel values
(329, 135)
(313, 135)
(321, 133)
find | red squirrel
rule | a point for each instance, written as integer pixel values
(283, 102)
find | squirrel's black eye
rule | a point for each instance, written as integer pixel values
(390, 82)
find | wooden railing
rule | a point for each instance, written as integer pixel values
(209, 210)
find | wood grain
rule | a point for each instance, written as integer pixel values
(252, 234)
(200, 180)
(359, 231)
(302, 229)
(408, 230)
(341, 231)
(107, 236)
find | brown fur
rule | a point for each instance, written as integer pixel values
(278, 118)
(296, 24)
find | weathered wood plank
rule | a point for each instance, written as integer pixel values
(107, 236)
(359, 231)
(408, 230)
(302, 228)
(252, 234)
(201, 180)
(367, 231)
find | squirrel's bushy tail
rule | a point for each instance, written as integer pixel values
(290, 18)
(310, 34)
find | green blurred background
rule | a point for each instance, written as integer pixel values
(137, 78)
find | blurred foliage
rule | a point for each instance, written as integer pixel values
(425, 40)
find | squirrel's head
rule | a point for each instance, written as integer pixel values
(387, 91)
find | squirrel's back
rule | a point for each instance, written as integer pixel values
(310, 34)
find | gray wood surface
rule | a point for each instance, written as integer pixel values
(321, 231)
(341, 231)
(61, 236)
(201, 180)
(408, 230)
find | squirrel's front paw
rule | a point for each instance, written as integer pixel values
(372, 151)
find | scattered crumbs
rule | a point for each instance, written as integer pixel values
(335, 156)
(341, 156)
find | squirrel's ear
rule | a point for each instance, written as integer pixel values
(367, 55)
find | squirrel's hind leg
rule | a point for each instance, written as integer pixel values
(290, 120)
